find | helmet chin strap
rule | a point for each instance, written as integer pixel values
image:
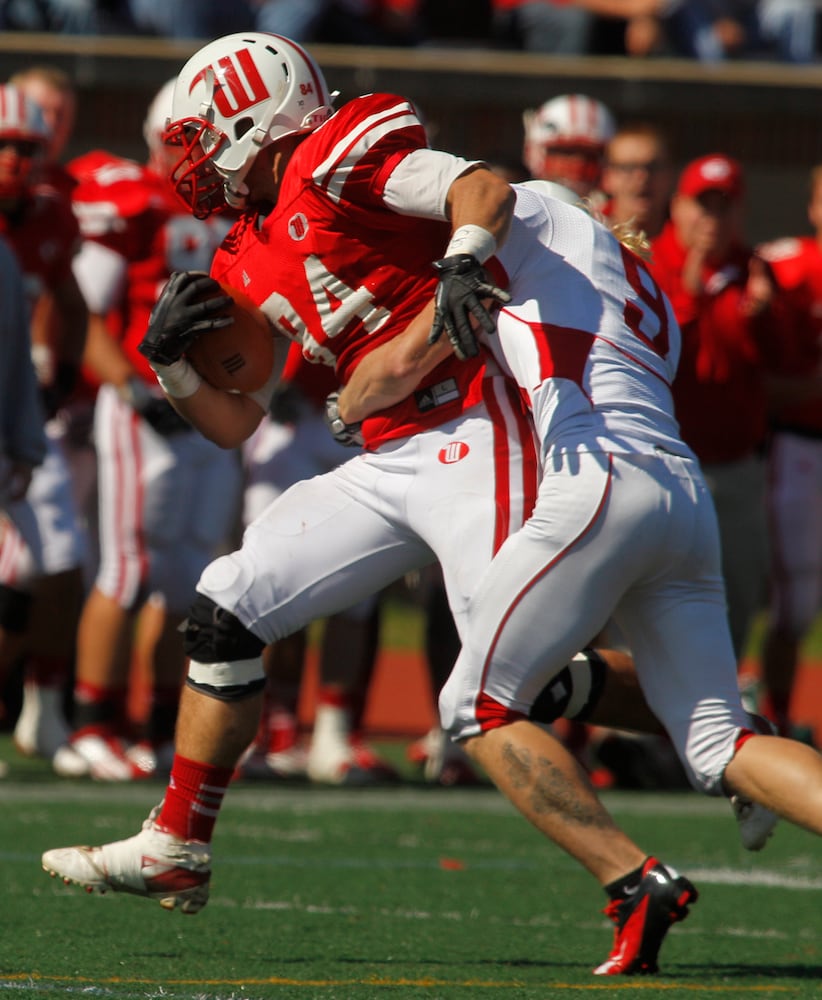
(236, 197)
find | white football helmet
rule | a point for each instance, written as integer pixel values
(565, 125)
(233, 98)
(23, 127)
(158, 115)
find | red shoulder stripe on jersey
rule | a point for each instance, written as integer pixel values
(334, 171)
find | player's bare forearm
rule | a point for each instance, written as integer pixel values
(104, 355)
(226, 418)
(393, 370)
(481, 198)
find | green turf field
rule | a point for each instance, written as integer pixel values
(405, 892)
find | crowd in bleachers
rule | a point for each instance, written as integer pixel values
(704, 30)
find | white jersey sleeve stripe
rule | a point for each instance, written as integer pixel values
(419, 183)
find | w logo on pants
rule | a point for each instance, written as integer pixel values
(453, 452)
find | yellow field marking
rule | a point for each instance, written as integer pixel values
(610, 985)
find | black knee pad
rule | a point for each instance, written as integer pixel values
(15, 609)
(573, 692)
(213, 635)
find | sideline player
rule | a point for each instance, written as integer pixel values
(355, 231)
(39, 225)
(565, 141)
(166, 495)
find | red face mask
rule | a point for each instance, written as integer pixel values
(577, 167)
(192, 174)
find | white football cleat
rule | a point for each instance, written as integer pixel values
(337, 756)
(99, 755)
(153, 863)
(41, 728)
(756, 822)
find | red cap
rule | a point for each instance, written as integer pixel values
(716, 172)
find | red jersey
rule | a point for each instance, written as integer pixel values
(132, 211)
(719, 389)
(797, 267)
(314, 381)
(339, 271)
(43, 233)
(54, 178)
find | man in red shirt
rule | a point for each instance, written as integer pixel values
(723, 298)
(795, 464)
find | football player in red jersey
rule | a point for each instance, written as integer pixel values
(52, 89)
(166, 496)
(345, 213)
(795, 466)
(39, 225)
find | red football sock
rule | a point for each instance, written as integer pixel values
(193, 798)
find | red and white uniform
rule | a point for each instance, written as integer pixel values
(295, 444)
(342, 263)
(165, 502)
(623, 527)
(795, 488)
(42, 231)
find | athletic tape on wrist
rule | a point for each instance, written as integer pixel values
(474, 240)
(178, 379)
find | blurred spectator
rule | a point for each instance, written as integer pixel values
(566, 27)
(795, 480)
(724, 299)
(351, 22)
(789, 29)
(557, 27)
(638, 178)
(52, 89)
(373, 22)
(299, 21)
(192, 18)
(75, 17)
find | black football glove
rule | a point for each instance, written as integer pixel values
(348, 434)
(181, 314)
(462, 286)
